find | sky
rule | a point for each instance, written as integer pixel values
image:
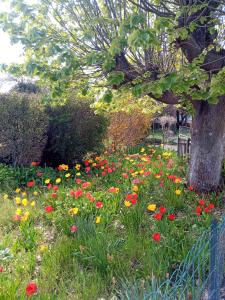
(8, 53)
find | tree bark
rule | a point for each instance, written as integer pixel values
(207, 146)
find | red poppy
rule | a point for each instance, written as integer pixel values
(49, 186)
(103, 173)
(156, 236)
(157, 216)
(171, 217)
(78, 180)
(31, 289)
(86, 163)
(206, 210)
(110, 170)
(134, 201)
(35, 163)
(73, 229)
(78, 193)
(1, 269)
(162, 209)
(211, 206)
(201, 202)
(198, 209)
(99, 204)
(31, 183)
(49, 209)
(125, 175)
(86, 184)
(54, 195)
(87, 169)
(191, 188)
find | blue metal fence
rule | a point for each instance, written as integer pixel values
(199, 277)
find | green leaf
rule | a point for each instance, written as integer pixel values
(115, 78)
(107, 96)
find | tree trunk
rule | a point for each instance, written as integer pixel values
(207, 146)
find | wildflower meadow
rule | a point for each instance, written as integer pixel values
(80, 232)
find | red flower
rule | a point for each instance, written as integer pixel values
(86, 163)
(158, 216)
(31, 289)
(49, 186)
(35, 163)
(125, 175)
(31, 183)
(54, 195)
(201, 202)
(1, 269)
(49, 209)
(109, 170)
(87, 169)
(103, 173)
(16, 218)
(86, 184)
(73, 229)
(198, 209)
(134, 201)
(211, 206)
(78, 180)
(191, 188)
(78, 193)
(55, 187)
(99, 204)
(156, 236)
(162, 209)
(171, 217)
(206, 210)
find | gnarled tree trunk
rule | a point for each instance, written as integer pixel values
(207, 146)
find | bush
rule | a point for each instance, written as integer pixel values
(127, 129)
(74, 130)
(23, 128)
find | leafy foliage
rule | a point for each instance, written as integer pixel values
(23, 129)
(73, 131)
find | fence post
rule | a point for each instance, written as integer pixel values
(214, 287)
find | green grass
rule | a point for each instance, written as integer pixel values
(94, 261)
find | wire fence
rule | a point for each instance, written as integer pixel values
(199, 277)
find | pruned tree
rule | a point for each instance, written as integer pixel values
(171, 50)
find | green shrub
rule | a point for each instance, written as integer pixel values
(74, 130)
(23, 129)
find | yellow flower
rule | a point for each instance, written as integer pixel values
(127, 203)
(178, 180)
(24, 202)
(18, 190)
(18, 200)
(151, 207)
(77, 167)
(24, 194)
(141, 172)
(98, 220)
(5, 197)
(67, 175)
(78, 174)
(142, 150)
(178, 192)
(33, 203)
(135, 188)
(58, 180)
(43, 248)
(47, 181)
(94, 165)
(73, 211)
(27, 214)
(35, 193)
(18, 211)
(24, 218)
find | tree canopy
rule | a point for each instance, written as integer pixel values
(142, 45)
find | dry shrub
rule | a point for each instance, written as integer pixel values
(128, 128)
(23, 129)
